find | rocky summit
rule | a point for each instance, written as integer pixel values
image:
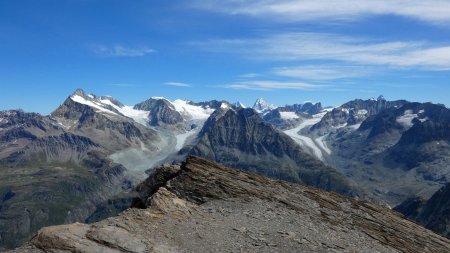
(200, 206)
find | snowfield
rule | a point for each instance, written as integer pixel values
(289, 115)
(192, 112)
(139, 116)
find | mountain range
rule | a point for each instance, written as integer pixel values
(82, 162)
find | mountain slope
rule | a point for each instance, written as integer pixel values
(49, 176)
(243, 140)
(200, 206)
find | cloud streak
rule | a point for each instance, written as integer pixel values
(177, 84)
(433, 11)
(121, 51)
(321, 72)
(267, 85)
(302, 47)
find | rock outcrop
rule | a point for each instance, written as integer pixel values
(200, 206)
(162, 112)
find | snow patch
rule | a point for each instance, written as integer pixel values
(362, 112)
(64, 126)
(356, 126)
(289, 115)
(406, 120)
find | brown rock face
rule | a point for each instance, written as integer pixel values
(201, 206)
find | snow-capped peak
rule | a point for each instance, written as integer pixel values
(380, 98)
(262, 105)
(110, 106)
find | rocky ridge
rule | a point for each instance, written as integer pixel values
(200, 206)
(354, 112)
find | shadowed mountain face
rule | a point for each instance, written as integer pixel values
(433, 214)
(243, 140)
(200, 206)
(398, 153)
(427, 138)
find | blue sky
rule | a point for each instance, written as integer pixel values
(285, 51)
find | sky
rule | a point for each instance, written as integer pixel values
(285, 51)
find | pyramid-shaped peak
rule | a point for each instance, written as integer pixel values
(262, 105)
(79, 92)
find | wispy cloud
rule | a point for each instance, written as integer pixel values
(434, 11)
(121, 51)
(331, 47)
(321, 72)
(177, 84)
(122, 85)
(272, 85)
(249, 75)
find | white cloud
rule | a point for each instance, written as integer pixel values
(121, 51)
(434, 11)
(178, 84)
(272, 85)
(330, 47)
